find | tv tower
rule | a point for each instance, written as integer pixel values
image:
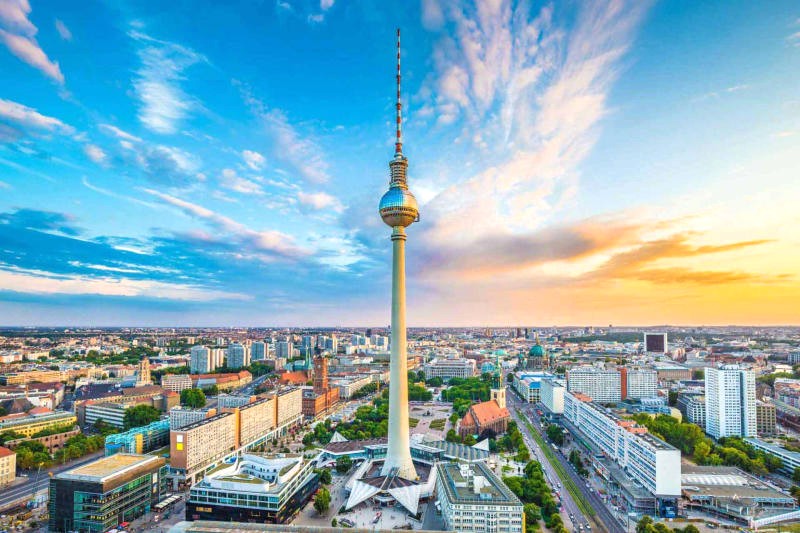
(398, 209)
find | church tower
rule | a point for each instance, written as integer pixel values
(498, 390)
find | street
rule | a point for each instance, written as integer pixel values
(603, 517)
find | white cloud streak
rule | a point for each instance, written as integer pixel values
(29, 117)
(18, 33)
(63, 31)
(164, 103)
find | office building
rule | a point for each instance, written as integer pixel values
(233, 400)
(182, 416)
(100, 495)
(350, 385)
(602, 385)
(655, 342)
(111, 413)
(789, 459)
(176, 382)
(696, 410)
(529, 384)
(552, 395)
(450, 368)
(668, 371)
(289, 405)
(200, 360)
(766, 422)
(238, 356)
(473, 498)
(27, 423)
(638, 383)
(332, 344)
(646, 460)
(258, 351)
(194, 446)
(254, 489)
(256, 419)
(284, 350)
(144, 439)
(8, 466)
(730, 401)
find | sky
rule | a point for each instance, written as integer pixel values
(201, 163)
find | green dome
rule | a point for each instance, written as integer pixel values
(536, 351)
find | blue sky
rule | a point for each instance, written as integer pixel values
(206, 164)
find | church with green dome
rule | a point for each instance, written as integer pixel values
(538, 357)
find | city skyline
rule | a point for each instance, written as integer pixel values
(627, 163)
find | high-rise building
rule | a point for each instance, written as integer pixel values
(766, 423)
(602, 385)
(398, 209)
(258, 351)
(238, 356)
(730, 401)
(284, 350)
(200, 360)
(655, 342)
(638, 383)
(332, 344)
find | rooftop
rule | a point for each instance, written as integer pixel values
(109, 467)
(474, 484)
(727, 482)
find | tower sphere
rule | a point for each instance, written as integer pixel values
(398, 207)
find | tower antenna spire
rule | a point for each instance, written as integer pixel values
(398, 143)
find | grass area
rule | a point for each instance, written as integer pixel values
(566, 480)
(438, 424)
(412, 422)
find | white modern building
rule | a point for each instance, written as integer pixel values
(648, 461)
(696, 410)
(529, 385)
(603, 386)
(200, 361)
(730, 401)
(181, 416)
(450, 368)
(473, 498)
(789, 460)
(552, 395)
(638, 383)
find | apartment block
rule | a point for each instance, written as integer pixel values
(195, 446)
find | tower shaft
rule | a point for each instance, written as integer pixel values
(398, 456)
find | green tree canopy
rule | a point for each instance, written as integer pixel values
(193, 398)
(140, 415)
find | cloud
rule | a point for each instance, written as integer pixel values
(36, 220)
(326, 4)
(163, 102)
(231, 181)
(432, 14)
(274, 243)
(301, 153)
(18, 34)
(63, 31)
(316, 18)
(30, 118)
(95, 153)
(319, 201)
(168, 165)
(254, 160)
(116, 132)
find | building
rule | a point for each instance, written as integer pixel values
(8, 466)
(176, 382)
(254, 489)
(233, 400)
(196, 445)
(485, 418)
(528, 385)
(668, 371)
(696, 410)
(139, 440)
(289, 406)
(256, 419)
(322, 398)
(350, 385)
(473, 498)
(655, 342)
(766, 421)
(638, 383)
(789, 460)
(238, 356)
(730, 493)
(200, 360)
(223, 382)
(182, 416)
(450, 368)
(730, 401)
(644, 460)
(29, 423)
(100, 495)
(110, 413)
(143, 373)
(602, 385)
(552, 395)
(284, 350)
(258, 351)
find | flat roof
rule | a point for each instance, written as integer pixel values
(106, 468)
(458, 488)
(699, 482)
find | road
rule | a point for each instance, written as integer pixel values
(603, 516)
(36, 483)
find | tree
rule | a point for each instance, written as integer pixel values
(645, 525)
(452, 436)
(140, 415)
(469, 440)
(343, 464)
(555, 434)
(193, 398)
(323, 501)
(213, 390)
(325, 476)
(796, 474)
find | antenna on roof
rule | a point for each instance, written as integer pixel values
(398, 143)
